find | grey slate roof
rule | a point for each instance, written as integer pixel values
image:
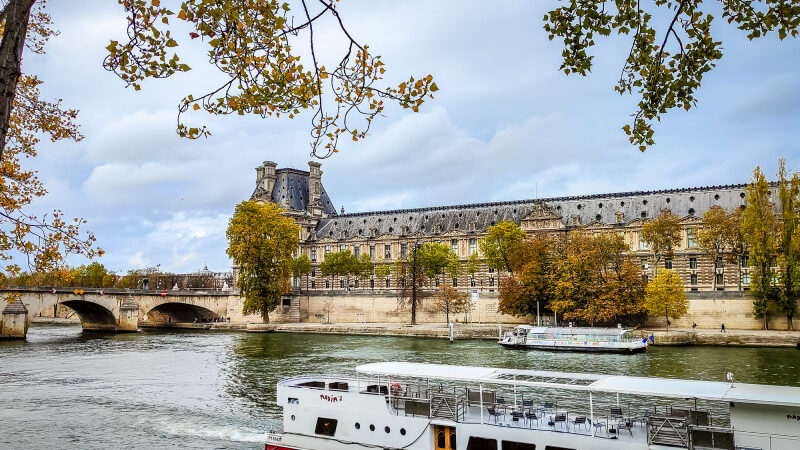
(291, 191)
(600, 208)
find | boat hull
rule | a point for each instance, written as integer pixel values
(570, 348)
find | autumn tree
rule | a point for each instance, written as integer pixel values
(665, 296)
(437, 259)
(789, 242)
(301, 265)
(41, 241)
(760, 229)
(260, 242)
(448, 300)
(671, 46)
(499, 241)
(662, 235)
(532, 265)
(473, 264)
(365, 267)
(712, 236)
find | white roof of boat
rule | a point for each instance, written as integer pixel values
(575, 330)
(649, 386)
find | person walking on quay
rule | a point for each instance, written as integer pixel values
(722, 330)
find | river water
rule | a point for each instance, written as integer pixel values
(63, 388)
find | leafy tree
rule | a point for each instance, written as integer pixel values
(436, 258)
(662, 236)
(382, 270)
(257, 46)
(665, 296)
(789, 242)
(499, 241)
(735, 241)
(664, 70)
(448, 300)
(760, 229)
(301, 265)
(365, 267)
(44, 241)
(712, 236)
(532, 264)
(341, 264)
(260, 242)
(473, 264)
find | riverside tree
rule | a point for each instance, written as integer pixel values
(665, 296)
(341, 264)
(448, 300)
(671, 46)
(662, 235)
(499, 241)
(789, 242)
(260, 242)
(711, 237)
(760, 229)
(301, 265)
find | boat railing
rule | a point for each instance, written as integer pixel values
(708, 437)
(668, 430)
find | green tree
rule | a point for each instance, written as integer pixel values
(473, 264)
(301, 265)
(499, 241)
(530, 286)
(760, 229)
(665, 296)
(449, 301)
(735, 241)
(662, 236)
(436, 259)
(365, 267)
(789, 242)
(664, 68)
(712, 236)
(382, 270)
(260, 242)
(340, 264)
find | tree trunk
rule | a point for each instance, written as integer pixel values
(789, 319)
(16, 14)
(714, 275)
(414, 291)
(265, 316)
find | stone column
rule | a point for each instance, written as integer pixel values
(14, 323)
(314, 207)
(128, 315)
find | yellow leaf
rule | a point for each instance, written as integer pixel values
(182, 15)
(196, 107)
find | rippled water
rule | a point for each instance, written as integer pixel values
(158, 389)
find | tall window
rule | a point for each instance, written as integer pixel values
(745, 260)
(491, 269)
(372, 252)
(745, 278)
(693, 278)
(642, 243)
(472, 282)
(313, 284)
(693, 263)
(491, 281)
(313, 273)
(720, 279)
(691, 238)
(454, 245)
(455, 282)
(357, 251)
(387, 282)
(403, 250)
(473, 246)
(313, 253)
(437, 282)
(720, 262)
(327, 284)
(356, 282)
(668, 263)
(341, 284)
(387, 251)
(342, 247)
(327, 250)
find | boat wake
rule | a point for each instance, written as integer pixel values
(218, 432)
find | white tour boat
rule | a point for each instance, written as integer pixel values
(401, 405)
(576, 339)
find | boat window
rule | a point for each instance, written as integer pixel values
(325, 426)
(293, 401)
(403, 431)
(550, 447)
(510, 445)
(440, 439)
(337, 386)
(358, 426)
(312, 384)
(479, 443)
(453, 439)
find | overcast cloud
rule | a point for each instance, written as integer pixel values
(505, 125)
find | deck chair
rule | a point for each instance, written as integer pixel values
(625, 425)
(530, 416)
(496, 413)
(516, 415)
(560, 418)
(579, 420)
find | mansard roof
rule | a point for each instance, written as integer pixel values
(478, 217)
(291, 191)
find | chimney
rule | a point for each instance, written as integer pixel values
(314, 188)
(269, 177)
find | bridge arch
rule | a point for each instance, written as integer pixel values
(93, 316)
(174, 312)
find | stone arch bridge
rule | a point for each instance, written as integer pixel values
(113, 309)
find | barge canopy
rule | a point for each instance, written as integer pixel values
(647, 386)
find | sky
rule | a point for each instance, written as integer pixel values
(505, 125)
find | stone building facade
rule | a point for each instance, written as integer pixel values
(388, 235)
